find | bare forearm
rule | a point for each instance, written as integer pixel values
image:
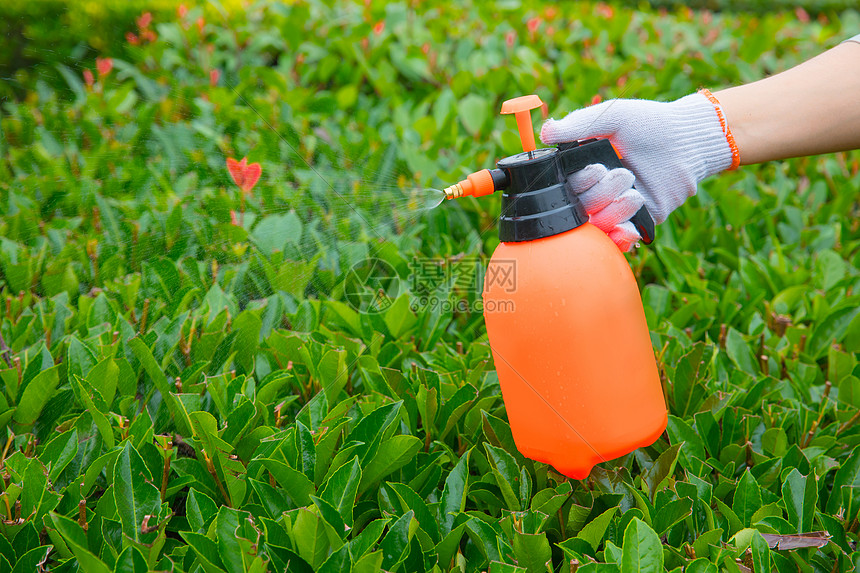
(809, 109)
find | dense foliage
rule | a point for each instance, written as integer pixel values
(192, 381)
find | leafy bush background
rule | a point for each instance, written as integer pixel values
(184, 393)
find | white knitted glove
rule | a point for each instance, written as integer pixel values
(610, 200)
(669, 147)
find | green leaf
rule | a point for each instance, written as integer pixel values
(342, 487)
(229, 471)
(134, 494)
(37, 498)
(595, 529)
(130, 561)
(33, 560)
(498, 433)
(370, 563)
(238, 421)
(800, 496)
(206, 551)
(74, 82)
(701, 565)
(372, 428)
(275, 232)
(499, 567)
(411, 500)
(506, 473)
(428, 404)
(686, 387)
(760, 552)
(104, 378)
(96, 467)
(89, 397)
(662, 469)
(485, 538)
(335, 522)
(150, 365)
(395, 544)
(76, 540)
(456, 407)
(399, 317)
(61, 450)
(237, 553)
(448, 547)
(338, 561)
(80, 358)
(739, 352)
(831, 329)
(364, 541)
(848, 476)
(453, 500)
(692, 448)
(612, 553)
(248, 325)
(307, 450)
(271, 498)
(734, 523)
(642, 551)
(671, 513)
(310, 537)
(392, 455)
(534, 552)
(473, 110)
(747, 498)
(333, 375)
(36, 395)
(199, 509)
(298, 486)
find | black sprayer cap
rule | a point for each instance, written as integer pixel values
(537, 204)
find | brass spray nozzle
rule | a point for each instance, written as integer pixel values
(480, 183)
(453, 192)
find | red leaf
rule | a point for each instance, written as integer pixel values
(243, 174)
(252, 175)
(104, 66)
(144, 20)
(237, 170)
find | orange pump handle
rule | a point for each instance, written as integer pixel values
(520, 107)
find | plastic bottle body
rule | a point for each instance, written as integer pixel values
(572, 350)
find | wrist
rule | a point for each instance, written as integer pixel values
(705, 137)
(724, 125)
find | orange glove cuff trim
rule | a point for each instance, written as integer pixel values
(736, 156)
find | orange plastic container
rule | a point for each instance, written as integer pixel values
(563, 312)
(572, 350)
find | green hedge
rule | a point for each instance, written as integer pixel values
(812, 7)
(35, 35)
(192, 381)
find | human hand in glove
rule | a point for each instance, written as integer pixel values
(667, 149)
(670, 147)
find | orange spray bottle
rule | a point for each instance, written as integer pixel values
(563, 311)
